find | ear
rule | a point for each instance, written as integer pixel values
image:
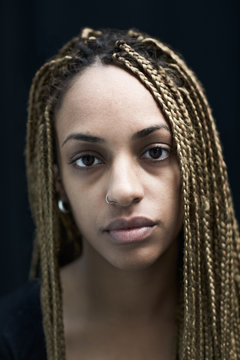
(59, 184)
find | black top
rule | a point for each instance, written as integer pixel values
(21, 331)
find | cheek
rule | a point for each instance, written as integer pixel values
(83, 204)
(166, 184)
(169, 199)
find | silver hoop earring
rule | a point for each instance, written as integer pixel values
(109, 202)
(62, 207)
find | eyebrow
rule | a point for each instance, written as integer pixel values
(147, 131)
(95, 139)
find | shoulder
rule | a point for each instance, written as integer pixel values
(21, 332)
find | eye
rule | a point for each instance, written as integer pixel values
(86, 161)
(156, 153)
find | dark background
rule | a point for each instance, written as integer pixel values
(205, 32)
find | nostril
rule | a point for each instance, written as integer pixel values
(132, 201)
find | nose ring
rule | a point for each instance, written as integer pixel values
(109, 202)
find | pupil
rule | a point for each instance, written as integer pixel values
(88, 160)
(155, 152)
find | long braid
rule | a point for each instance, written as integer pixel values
(216, 194)
(208, 252)
(204, 194)
(45, 291)
(211, 261)
(226, 196)
(50, 290)
(59, 350)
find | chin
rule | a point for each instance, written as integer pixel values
(135, 262)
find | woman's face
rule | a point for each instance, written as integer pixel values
(113, 140)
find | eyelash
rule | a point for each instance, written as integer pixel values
(163, 149)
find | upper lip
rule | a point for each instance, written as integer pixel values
(135, 222)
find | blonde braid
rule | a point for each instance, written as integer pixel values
(223, 239)
(228, 253)
(35, 111)
(45, 291)
(58, 346)
(206, 225)
(204, 195)
(50, 290)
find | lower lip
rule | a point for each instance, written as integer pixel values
(129, 236)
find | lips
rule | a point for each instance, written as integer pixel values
(124, 231)
(136, 222)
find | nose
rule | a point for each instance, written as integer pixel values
(124, 186)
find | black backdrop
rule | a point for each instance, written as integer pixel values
(205, 32)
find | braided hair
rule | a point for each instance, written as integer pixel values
(210, 282)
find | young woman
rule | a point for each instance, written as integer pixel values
(137, 246)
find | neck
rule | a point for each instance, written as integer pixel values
(93, 288)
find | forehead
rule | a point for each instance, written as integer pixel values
(106, 96)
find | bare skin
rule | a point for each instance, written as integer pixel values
(119, 299)
(112, 315)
